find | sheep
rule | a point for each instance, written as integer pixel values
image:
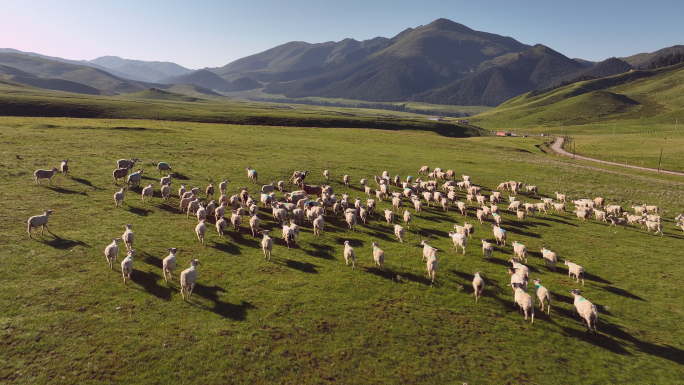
(515, 205)
(549, 257)
(469, 229)
(119, 173)
(530, 208)
(119, 196)
(127, 164)
(478, 286)
(679, 217)
(399, 232)
(209, 191)
(432, 264)
(542, 294)
(459, 240)
(575, 270)
(657, 227)
(480, 215)
(559, 207)
(222, 186)
(481, 200)
(181, 191)
(193, 206)
(614, 209)
(378, 255)
(462, 208)
(582, 214)
(147, 193)
(466, 178)
(561, 197)
(517, 278)
(598, 201)
(127, 265)
(251, 175)
(188, 278)
(44, 174)
(111, 252)
(221, 225)
(220, 211)
(428, 197)
(368, 190)
(541, 206)
(451, 174)
(653, 218)
(524, 302)
(169, 264)
(128, 236)
(288, 235)
(389, 217)
(318, 225)
(135, 178)
(236, 220)
(519, 251)
(349, 254)
(297, 215)
(502, 186)
(521, 215)
(201, 212)
(363, 214)
(487, 249)
(548, 201)
(166, 192)
(424, 170)
(461, 230)
(385, 190)
(635, 219)
(474, 190)
(616, 221)
(497, 219)
(201, 230)
(680, 224)
(499, 235)
(64, 167)
(397, 203)
(163, 166)
(345, 180)
(407, 219)
(267, 245)
(418, 206)
(531, 189)
(295, 229)
(586, 310)
(253, 210)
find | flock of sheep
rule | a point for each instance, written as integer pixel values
(315, 202)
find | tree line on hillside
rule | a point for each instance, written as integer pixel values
(375, 106)
(666, 61)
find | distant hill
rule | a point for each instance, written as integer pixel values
(643, 59)
(150, 71)
(212, 81)
(644, 95)
(534, 68)
(157, 94)
(19, 76)
(89, 76)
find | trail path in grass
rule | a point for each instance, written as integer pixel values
(557, 146)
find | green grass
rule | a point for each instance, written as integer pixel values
(304, 317)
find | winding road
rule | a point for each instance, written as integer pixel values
(557, 146)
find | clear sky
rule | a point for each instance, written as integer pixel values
(204, 33)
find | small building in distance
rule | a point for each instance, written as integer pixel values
(503, 133)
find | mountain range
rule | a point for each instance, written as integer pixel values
(440, 63)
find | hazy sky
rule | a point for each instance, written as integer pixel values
(203, 33)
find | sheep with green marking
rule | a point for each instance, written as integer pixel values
(586, 310)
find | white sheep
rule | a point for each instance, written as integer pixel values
(163, 166)
(181, 191)
(519, 251)
(349, 254)
(616, 221)
(549, 257)
(418, 206)
(267, 245)
(288, 234)
(652, 209)
(559, 207)
(128, 236)
(657, 227)
(389, 217)
(378, 255)
(220, 211)
(351, 220)
(326, 174)
(561, 197)
(582, 214)
(542, 294)
(251, 175)
(459, 240)
(521, 270)
(524, 302)
(499, 235)
(600, 215)
(478, 286)
(221, 225)
(586, 310)
(44, 174)
(135, 178)
(119, 173)
(432, 265)
(147, 193)
(680, 224)
(209, 191)
(127, 265)
(497, 219)
(318, 226)
(254, 224)
(515, 205)
(598, 201)
(111, 252)
(363, 214)
(517, 278)
(193, 206)
(119, 196)
(166, 191)
(575, 270)
(188, 278)
(165, 180)
(169, 263)
(399, 232)
(201, 212)
(295, 229)
(126, 163)
(201, 230)
(222, 186)
(462, 208)
(487, 249)
(521, 215)
(345, 180)
(64, 167)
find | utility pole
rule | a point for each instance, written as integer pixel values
(613, 128)
(661, 159)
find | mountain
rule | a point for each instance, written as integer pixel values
(149, 71)
(643, 59)
(210, 80)
(381, 70)
(648, 96)
(88, 76)
(534, 68)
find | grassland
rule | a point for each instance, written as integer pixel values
(304, 317)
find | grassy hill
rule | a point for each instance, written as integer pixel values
(642, 97)
(304, 317)
(157, 94)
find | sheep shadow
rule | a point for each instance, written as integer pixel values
(245, 239)
(148, 281)
(226, 247)
(352, 242)
(179, 176)
(62, 243)
(304, 267)
(622, 292)
(551, 219)
(143, 212)
(170, 208)
(422, 279)
(61, 190)
(382, 273)
(595, 278)
(236, 312)
(321, 251)
(150, 260)
(86, 182)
